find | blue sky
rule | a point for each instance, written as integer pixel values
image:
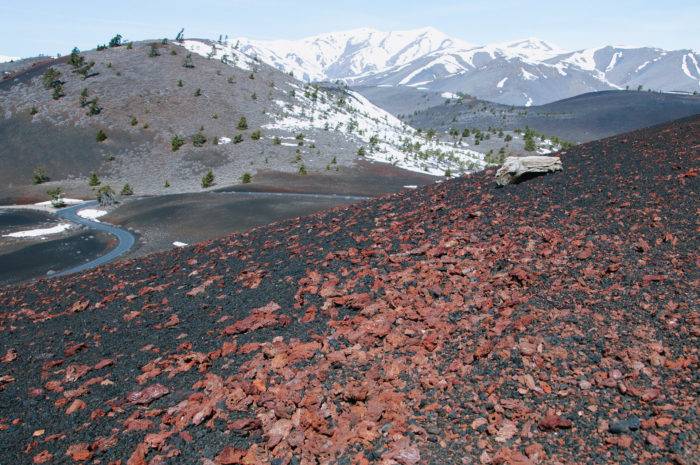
(50, 26)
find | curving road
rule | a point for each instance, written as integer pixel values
(125, 240)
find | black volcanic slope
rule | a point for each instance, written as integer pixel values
(583, 118)
(553, 321)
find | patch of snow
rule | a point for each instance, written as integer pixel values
(91, 214)
(527, 76)
(66, 201)
(59, 228)
(411, 186)
(450, 95)
(180, 244)
(224, 52)
(642, 66)
(685, 68)
(613, 61)
(5, 58)
(224, 140)
(528, 103)
(501, 83)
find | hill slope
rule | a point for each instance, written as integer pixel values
(549, 321)
(582, 118)
(146, 97)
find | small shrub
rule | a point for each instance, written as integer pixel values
(101, 47)
(57, 91)
(167, 184)
(173, 52)
(199, 139)
(246, 178)
(302, 170)
(33, 111)
(94, 109)
(134, 121)
(254, 96)
(50, 77)
(153, 50)
(127, 190)
(361, 152)
(176, 142)
(208, 179)
(179, 83)
(187, 62)
(256, 135)
(101, 136)
(130, 46)
(276, 141)
(93, 180)
(242, 124)
(198, 92)
(39, 175)
(238, 138)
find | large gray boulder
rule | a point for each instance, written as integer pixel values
(515, 167)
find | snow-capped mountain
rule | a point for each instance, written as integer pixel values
(523, 72)
(340, 55)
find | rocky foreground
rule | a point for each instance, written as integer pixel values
(551, 321)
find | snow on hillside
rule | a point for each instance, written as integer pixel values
(5, 58)
(226, 52)
(384, 138)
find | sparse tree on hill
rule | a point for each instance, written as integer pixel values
(238, 138)
(127, 190)
(106, 196)
(198, 92)
(75, 59)
(180, 35)
(242, 123)
(56, 196)
(187, 62)
(153, 50)
(101, 136)
(246, 178)
(51, 78)
(39, 175)
(302, 170)
(116, 41)
(176, 142)
(256, 135)
(199, 139)
(208, 179)
(93, 180)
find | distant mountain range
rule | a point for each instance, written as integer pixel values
(524, 72)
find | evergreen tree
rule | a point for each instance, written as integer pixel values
(208, 179)
(127, 190)
(116, 41)
(176, 142)
(56, 196)
(93, 180)
(39, 175)
(187, 62)
(101, 136)
(242, 124)
(180, 35)
(246, 178)
(256, 135)
(106, 196)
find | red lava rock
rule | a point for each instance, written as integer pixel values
(279, 431)
(552, 422)
(79, 306)
(76, 371)
(9, 356)
(148, 395)
(263, 317)
(105, 362)
(42, 457)
(79, 452)
(230, 456)
(75, 406)
(138, 457)
(73, 349)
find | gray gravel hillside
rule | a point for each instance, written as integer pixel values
(143, 107)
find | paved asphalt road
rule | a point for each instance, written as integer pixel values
(125, 238)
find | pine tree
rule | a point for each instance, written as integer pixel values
(39, 175)
(93, 180)
(208, 179)
(246, 178)
(176, 142)
(116, 41)
(127, 190)
(242, 124)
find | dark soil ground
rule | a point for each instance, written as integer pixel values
(553, 321)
